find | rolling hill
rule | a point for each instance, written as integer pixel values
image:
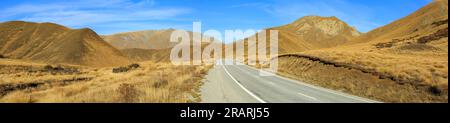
(55, 44)
(318, 32)
(136, 54)
(308, 33)
(149, 45)
(149, 39)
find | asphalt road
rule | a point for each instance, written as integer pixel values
(242, 84)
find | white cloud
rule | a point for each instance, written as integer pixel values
(111, 28)
(91, 12)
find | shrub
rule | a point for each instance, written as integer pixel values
(120, 70)
(435, 90)
(58, 69)
(438, 23)
(134, 66)
(160, 83)
(384, 45)
(126, 69)
(127, 93)
(435, 36)
(48, 67)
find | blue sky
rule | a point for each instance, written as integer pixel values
(113, 16)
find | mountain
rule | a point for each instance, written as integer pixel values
(150, 45)
(157, 55)
(136, 54)
(320, 32)
(309, 33)
(149, 39)
(56, 44)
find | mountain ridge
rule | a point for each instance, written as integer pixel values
(54, 44)
(144, 39)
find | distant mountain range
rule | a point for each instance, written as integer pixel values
(149, 39)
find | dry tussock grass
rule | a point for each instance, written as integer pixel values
(402, 68)
(356, 82)
(150, 83)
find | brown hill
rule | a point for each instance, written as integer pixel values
(54, 44)
(151, 45)
(149, 39)
(309, 33)
(155, 55)
(136, 54)
(320, 32)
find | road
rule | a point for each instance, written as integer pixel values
(242, 84)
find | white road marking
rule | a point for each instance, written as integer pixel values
(271, 83)
(331, 91)
(307, 96)
(245, 89)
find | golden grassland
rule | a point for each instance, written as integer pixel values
(150, 83)
(357, 82)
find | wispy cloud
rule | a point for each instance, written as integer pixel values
(253, 4)
(92, 12)
(360, 16)
(111, 28)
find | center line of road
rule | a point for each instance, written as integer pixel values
(245, 89)
(271, 83)
(308, 96)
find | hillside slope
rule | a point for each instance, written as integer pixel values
(56, 44)
(305, 34)
(320, 32)
(422, 21)
(136, 54)
(149, 39)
